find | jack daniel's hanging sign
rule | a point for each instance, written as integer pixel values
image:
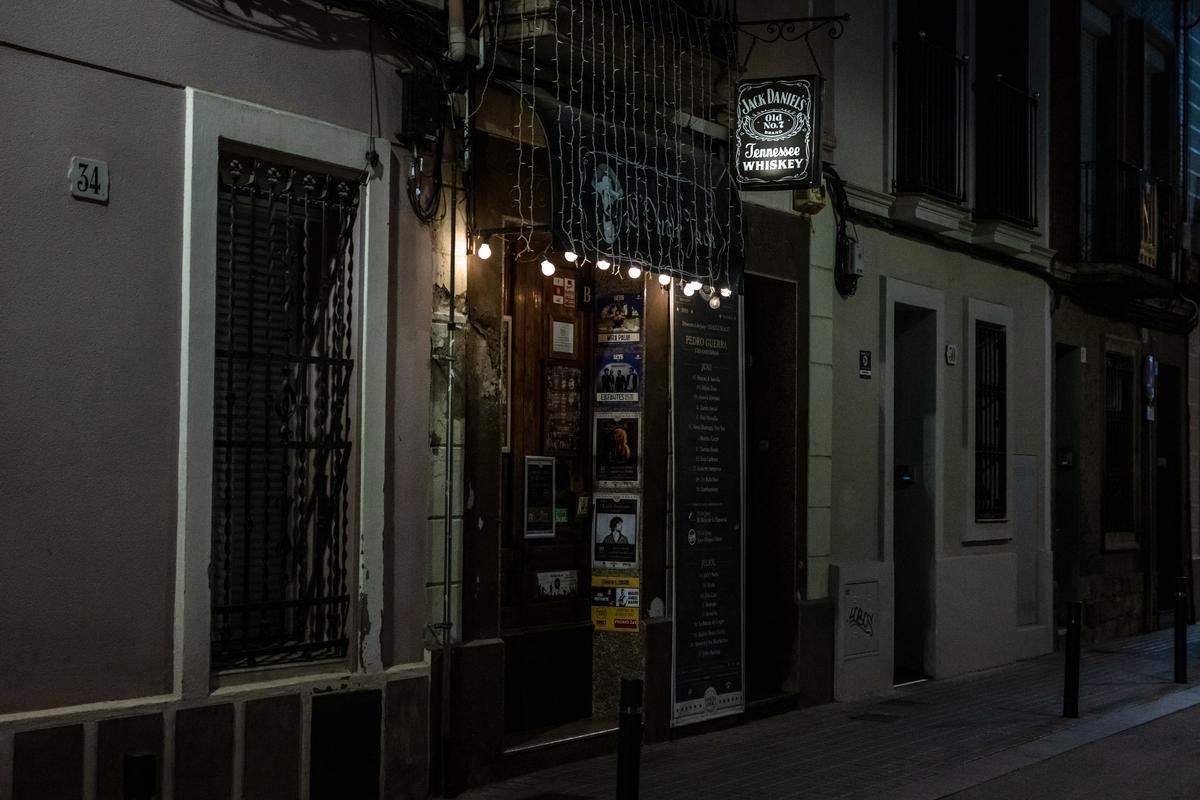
(777, 141)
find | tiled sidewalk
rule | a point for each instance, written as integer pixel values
(916, 741)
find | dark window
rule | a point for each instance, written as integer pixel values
(282, 428)
(1118, 502)
(1005, 116)
(930, 101)
(991, 423)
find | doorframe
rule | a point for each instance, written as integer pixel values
(897, 292)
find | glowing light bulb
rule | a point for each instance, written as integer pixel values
(571, 256)
(485, 251)
(664, 279)
(689, 289)
(635, 272)
(726, 292)
(547, 268)
(602, 264)
(714, 302)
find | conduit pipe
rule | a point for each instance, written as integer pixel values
(456, 23)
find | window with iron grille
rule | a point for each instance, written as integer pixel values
(282, 537)
(991, 423)
(1118, 502)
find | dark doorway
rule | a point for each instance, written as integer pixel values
(544, 577)
(1168, 511)
(771, 483)
(1068, 377)
(914, 470)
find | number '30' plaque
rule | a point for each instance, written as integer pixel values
(89, 179)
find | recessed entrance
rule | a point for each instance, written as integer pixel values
(545, 569)
(771, 483)
(914, 470)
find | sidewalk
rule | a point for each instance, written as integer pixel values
(923, 741)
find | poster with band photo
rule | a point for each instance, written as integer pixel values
(615, 530)
(617, 444)
(620, 318)
(619, 376)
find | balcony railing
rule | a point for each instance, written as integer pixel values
(1006, 152)
(930, 120)
(1126, 217)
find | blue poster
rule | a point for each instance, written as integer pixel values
(619, 376)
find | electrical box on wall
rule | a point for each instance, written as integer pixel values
(421, 101)
(856, 259)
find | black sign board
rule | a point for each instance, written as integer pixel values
(777, 139)
(707, 423)
(621, 193)
(864, 363)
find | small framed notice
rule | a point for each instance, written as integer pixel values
(563, 340)
(539, 497)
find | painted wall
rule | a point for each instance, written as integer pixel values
(276, 59)
(89, 337)
(91, 324)
(975, 584)
(857, 425)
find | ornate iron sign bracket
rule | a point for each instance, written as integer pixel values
(790, 29)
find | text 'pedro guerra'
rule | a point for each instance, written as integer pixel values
(777, 133)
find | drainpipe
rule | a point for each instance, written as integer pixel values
(456, 52)
(457, 26)
(448, 534)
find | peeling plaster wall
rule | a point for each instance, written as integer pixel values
(441, 372)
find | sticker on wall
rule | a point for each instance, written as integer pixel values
(615, 531)
(616, 603)
(564, 292)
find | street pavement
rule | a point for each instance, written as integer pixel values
(928, 740)
(1160, 759)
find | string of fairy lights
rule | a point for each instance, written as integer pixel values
(631, 86)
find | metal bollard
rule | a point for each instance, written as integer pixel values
(1181, 616)
(1071, 678)
(629, 740)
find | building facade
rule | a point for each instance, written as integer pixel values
(932, 366)
(1122, 492)
(406, 375)
(214, 467)
(581, 441)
